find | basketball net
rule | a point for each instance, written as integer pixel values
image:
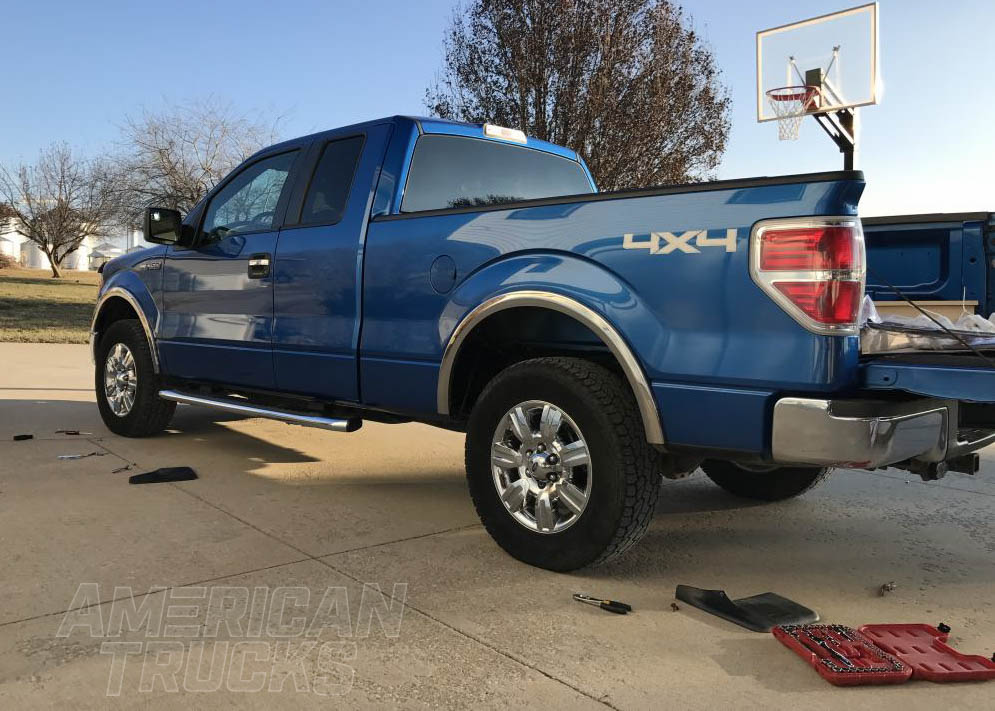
(790, 105)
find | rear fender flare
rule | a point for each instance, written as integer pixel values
(599, 312)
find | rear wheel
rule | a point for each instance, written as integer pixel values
(769, 485)
(558, 465)
(126, 383)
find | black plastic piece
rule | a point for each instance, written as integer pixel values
(21, 438)
(943, 627)
(760, 613)
(164, 475)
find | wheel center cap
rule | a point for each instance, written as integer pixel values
(542, 464)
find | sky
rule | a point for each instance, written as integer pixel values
(76, 69)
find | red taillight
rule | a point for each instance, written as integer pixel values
(814, 271)
(829, 302)
(808, 249)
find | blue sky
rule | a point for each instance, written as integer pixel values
(76, 68)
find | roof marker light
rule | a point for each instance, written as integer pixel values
(506, 134)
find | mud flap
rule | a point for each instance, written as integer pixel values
(759, 613)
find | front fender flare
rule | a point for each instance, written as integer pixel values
(119, 292)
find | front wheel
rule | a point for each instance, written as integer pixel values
(770, 485)
(558, 465)
(126, 383)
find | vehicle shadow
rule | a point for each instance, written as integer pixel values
(44, 417)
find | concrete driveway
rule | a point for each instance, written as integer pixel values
(306, 568)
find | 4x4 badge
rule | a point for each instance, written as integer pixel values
(667, 242)
(152, 265)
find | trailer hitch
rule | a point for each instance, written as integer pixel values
(933, 471)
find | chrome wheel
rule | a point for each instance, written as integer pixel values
(120, 379)
(541, 466)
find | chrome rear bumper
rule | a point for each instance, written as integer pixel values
(866, 433)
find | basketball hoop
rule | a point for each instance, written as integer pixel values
(790, 105)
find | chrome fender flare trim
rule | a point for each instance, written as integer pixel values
(596, 322)
(117, 291)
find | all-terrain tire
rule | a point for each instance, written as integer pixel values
(772, 485)
(149, 414)
(625, 469)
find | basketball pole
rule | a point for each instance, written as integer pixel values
(841, 126)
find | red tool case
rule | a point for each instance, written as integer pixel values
(883, 654)
(924, 649)
(843, 656)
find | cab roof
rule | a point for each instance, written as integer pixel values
(425, 125)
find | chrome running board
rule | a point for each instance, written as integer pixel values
(295, 418)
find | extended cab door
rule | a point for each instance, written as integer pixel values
(217, 316)
(319, 266)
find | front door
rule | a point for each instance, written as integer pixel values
(217, 315)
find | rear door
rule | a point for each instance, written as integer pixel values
(217, 316)
(319, 266)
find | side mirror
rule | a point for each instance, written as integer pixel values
(163, 225)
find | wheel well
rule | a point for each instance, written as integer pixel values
(114, 309)
(514, 335)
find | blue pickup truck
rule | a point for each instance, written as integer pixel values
(589, 344)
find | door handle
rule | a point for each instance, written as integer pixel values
(259, 266)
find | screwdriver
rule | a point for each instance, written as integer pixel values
(619, 608)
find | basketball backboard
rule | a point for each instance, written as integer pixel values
(835, 53)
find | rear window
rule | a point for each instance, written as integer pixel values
(452, 171)
(329, 190)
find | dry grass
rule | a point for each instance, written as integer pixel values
(35, 308)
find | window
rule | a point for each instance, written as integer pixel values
(329, 190)
(452, 171)
(248, 202)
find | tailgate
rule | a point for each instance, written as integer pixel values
(955, 376)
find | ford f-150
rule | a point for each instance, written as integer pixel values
(589, 344)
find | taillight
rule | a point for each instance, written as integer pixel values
(813, 268)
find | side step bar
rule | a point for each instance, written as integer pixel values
(296, 418)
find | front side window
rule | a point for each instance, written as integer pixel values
(329, 190)
(248, 202)
(454, 171)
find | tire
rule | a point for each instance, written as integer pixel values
(148, 414)
(622, 473)
(772, 485)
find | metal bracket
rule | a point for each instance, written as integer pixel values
(841, 127)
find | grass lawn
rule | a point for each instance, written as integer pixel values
(35, 308)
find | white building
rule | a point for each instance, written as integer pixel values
(10, 248)
(28, 254)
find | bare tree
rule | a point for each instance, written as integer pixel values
(173, 157)
(58, 201)
(628, 84)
